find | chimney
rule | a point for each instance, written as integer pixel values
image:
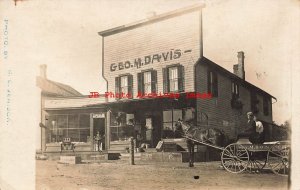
(43, 71)
(238, 69)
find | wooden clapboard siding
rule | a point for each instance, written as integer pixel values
(181, 32)
(219, 111)
(70, 102)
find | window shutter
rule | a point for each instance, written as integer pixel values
(130, 83)
(180, 78)
(140, 83)
(165, 80)
(208, 82)
(215, 84)
(153, 81)
(117, 87)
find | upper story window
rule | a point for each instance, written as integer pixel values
(266, 106)
(236, 102)
(235, 90)
(173, 78)
(254, 102)
(212, 83)
(147, 82)
(123, 85)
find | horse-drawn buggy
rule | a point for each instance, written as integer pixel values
(241, 155)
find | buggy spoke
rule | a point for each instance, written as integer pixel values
(242, 154)
(243, 157)
(280, 165)
(231, 156)
(276, 165)
(228, 158)
(278, 158)
(235, 158)
(279, 155)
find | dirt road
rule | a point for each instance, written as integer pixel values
(120, 175)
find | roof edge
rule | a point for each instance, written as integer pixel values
(204, 59)
(153, 19)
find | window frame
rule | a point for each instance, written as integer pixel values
(124, 87)
(129, 86)
(170, 133)
(56, 132)
(235, 90)
(254, 101)
(147, 83)
(141, 81)
(212, 83)
(174, 80)
(179, 80)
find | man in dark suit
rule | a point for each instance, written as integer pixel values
(250, 131)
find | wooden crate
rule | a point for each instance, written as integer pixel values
(169, 147)
(70, 159)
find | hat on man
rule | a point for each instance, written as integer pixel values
(250, 113)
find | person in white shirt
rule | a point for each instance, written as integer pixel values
(259, 130)
(259, 126)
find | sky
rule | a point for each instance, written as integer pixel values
(64, 35)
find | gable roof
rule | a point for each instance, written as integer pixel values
(52, 88)
(229, 74)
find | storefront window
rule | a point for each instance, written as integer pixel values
(169, 122)
(189, 115)
(74, 126)
(121, 130)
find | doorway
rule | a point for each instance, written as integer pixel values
(99, 125)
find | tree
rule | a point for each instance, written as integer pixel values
(283, 131)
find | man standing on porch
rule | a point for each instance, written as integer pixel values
(98, 142)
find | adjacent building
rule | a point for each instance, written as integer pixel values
(64, 114)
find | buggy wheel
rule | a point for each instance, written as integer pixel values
(257, 161)
(235, 158)
(278, 158)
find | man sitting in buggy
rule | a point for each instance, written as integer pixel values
(254, 130)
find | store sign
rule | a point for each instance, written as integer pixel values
(98, 115)
(149, 59)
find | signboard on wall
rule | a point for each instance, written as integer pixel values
(98, 115)
(149, 59)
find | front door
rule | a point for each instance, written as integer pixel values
(99, 125)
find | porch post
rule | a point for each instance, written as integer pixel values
(92, 131)
(107, 130)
